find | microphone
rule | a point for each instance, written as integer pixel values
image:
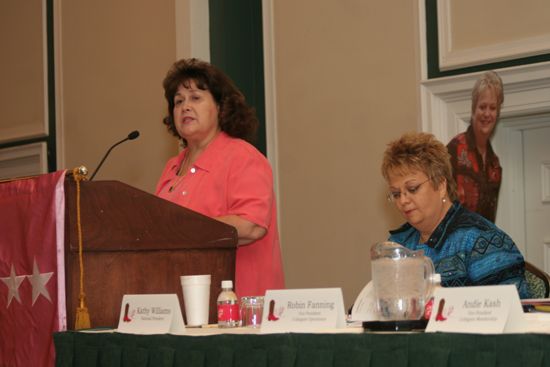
(133, 135)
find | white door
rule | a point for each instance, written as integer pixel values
(536, 164)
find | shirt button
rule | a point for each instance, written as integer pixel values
(184, 193)
(193, 170)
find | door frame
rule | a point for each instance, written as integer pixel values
(511, 206)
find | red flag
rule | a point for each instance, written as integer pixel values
(32, 278)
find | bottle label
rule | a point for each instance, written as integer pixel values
(228, 312)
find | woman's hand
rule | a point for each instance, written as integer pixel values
(247, 231)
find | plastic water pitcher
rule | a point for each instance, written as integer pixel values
(402, 281)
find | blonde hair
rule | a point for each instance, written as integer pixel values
(487, 80)
(420, 152)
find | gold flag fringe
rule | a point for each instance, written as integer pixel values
(82, 320)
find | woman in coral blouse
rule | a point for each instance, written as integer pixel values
(219, 173)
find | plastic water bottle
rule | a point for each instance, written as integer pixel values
(228, 306)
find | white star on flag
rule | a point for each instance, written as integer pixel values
(13, 282)
(39, 282)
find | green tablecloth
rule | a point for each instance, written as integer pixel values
(407, 350)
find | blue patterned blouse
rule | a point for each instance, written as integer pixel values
(468, 250)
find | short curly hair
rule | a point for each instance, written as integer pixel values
(235, 118)
(489, 79)
(420, 152)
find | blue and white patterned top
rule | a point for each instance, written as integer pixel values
(468, 250)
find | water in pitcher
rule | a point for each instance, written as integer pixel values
(400, 288)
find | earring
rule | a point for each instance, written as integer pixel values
(444, 200)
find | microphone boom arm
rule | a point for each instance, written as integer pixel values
(133, 135)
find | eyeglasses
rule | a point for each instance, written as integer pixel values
(412, 190)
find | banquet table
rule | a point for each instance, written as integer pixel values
(348, 348)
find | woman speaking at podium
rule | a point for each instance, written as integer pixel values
(219, 173)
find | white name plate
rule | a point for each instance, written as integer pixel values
(481, 310)
(150, 314)
(303, 310)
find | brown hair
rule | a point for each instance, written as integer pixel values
(420, 152)
(235, 118)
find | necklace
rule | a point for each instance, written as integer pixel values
(180, 174)
(175, 184)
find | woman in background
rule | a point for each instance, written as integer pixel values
(465, 248)
(219, 173)
(476, 168)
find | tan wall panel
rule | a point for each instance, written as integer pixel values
(114, 57)
(483, 23)
(347, 83)
(22, 73)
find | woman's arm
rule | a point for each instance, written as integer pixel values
(247, 231)
(495, 259)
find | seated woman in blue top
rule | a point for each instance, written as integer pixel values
(465, 248)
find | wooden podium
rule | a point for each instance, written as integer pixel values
(137, 243)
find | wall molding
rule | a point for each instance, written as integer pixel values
(38, 128)
(450, 59)
(270, 92)
(59, 98)
(192, 29)
(545, 181)
(24, 160)
(446, 102)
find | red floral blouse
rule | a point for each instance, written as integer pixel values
(477, 185)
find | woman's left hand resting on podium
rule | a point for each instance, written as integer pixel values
(219, 173)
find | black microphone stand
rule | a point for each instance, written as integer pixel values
(133, 135)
